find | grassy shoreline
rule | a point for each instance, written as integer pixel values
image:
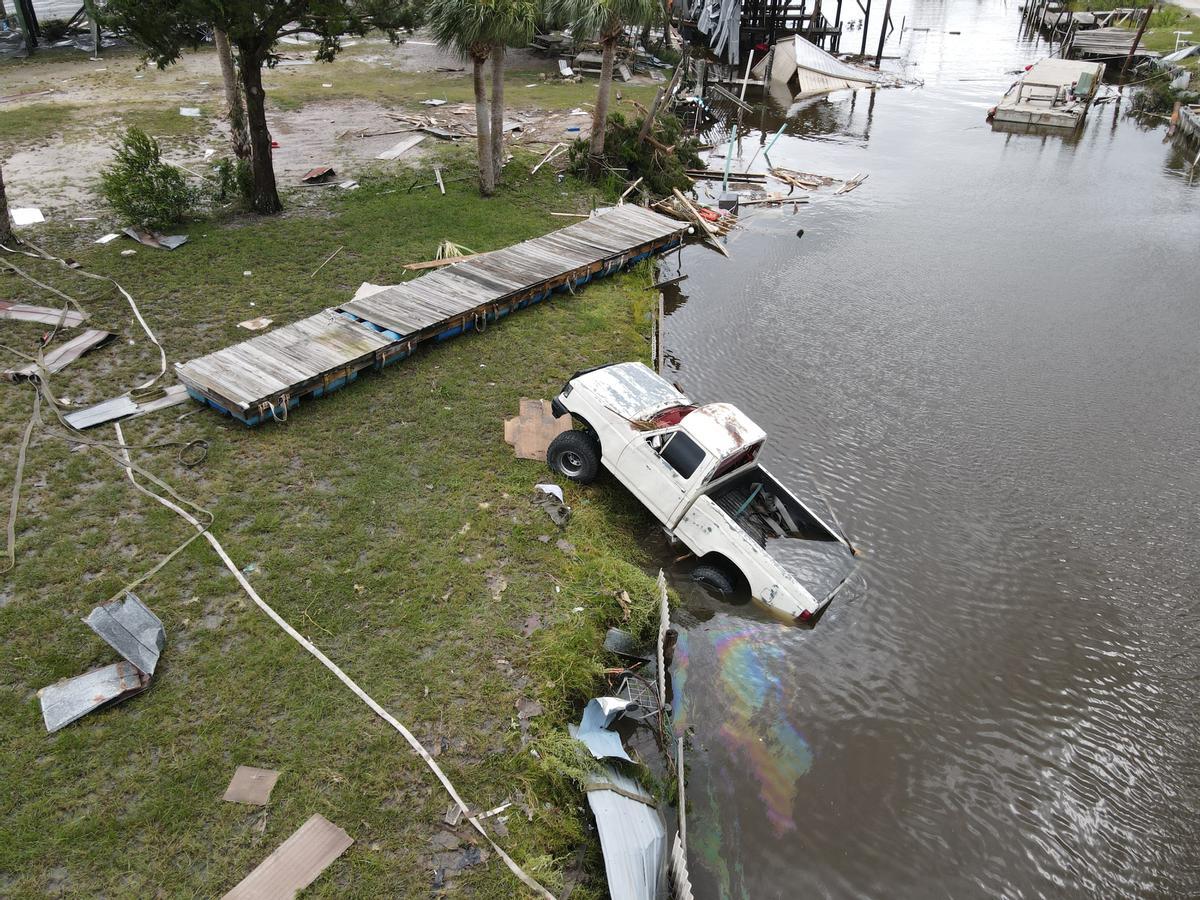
(389, 522)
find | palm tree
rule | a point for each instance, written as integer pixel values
(479, 30)
(606, 19)
(510, 23)
(6, 234)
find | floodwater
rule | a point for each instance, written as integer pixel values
(986, 357)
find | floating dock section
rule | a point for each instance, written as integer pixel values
(1054, 92)
(264, 377)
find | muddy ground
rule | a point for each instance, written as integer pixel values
(64, 111)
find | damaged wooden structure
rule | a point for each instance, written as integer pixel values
(1053, 92)
(266, 376)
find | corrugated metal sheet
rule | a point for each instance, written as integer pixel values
(117, 408)
(632, 837)
(134, 632)
(131, 629)
(680, 880)
(593, 727)
(65, 701)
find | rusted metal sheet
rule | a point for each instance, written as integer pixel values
(297, 863)
(65, 701)
(131, 629)
(63, 355)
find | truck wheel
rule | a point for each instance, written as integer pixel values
(717, 579)
(575, 455)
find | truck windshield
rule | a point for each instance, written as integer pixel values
(682, 454)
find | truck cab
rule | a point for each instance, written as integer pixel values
(695, 468)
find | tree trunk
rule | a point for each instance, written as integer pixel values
(497, 111)
(6, 235)
(487, 174)
(266, 198)
(667, 23)
(600, 118)
(233, 96)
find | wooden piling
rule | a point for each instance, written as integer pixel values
(887, 17)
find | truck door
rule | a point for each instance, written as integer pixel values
(658, 469)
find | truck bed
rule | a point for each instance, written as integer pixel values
(765, 509)
(789, 533)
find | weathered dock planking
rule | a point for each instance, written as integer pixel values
(265, 376)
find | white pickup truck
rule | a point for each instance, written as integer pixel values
(696, 469)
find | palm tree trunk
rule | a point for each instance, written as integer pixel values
(666, 23)
(233, 96)
(487, 175)
(497, 111)
(600, 119)
(6, 234)
(265, 199)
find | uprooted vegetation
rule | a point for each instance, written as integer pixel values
(389, 523)
(660, 157)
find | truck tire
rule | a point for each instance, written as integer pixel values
(717, 579)
(575, 455)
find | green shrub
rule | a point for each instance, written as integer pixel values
(622, 150)
(53, 30)
(146, 191)
(231, 179)
(1155, 96)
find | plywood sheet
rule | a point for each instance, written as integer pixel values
(251, 785)
(297, 863)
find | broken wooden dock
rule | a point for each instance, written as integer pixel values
(264, 377)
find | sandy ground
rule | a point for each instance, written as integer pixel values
(60, 173)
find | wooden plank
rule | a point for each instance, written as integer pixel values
(296, 864)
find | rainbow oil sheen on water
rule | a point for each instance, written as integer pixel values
(987, 358)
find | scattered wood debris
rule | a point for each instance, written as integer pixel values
(401, 147)
(251, 785)
(852, 184)
(296, 864)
